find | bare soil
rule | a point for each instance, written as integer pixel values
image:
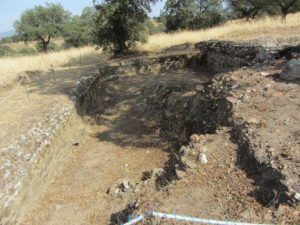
(123, 143)
(125, 140)
(36, 98)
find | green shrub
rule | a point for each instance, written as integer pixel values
(78, 32)
(6, 51)
(10, 39)
(51, 47)
(66, 45)
(155, 27)
(28, 51)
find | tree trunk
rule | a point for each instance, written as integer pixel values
(121, 47)
(284, 13)
(283, 17)
(285, 8)
(45, 43)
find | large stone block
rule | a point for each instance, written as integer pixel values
(291, 71)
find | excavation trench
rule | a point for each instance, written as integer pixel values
(124, 140)
(139, 113)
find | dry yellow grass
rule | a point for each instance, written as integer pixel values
(10, 66)
(32, 44)
(239, 30)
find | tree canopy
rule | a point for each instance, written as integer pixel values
(246, 8)
(287, 6)
(42, 23)
(116, 25)
(79, 31)
(192, 14)
(120, 24)
(250, 9)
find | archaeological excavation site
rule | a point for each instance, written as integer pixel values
(208, 131)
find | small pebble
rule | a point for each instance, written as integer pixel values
(202, 158)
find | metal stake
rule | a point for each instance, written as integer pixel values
(52, 69)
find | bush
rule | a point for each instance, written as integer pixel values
(10, 39)
(192, 14)
(78, 32)
(51, 47)
(6, 51)
(28, 51)
(155, 27)
(209, 19)
(65, 45)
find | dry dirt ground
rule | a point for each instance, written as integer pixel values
(216, 190)
(37, 97)
(221, 189)
(124, 142)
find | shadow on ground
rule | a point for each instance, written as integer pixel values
(123, 111)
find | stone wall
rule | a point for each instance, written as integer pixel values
(224, 56)
(30, 161)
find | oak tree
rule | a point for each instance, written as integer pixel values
(42, 23)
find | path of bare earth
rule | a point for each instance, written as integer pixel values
(123, 143)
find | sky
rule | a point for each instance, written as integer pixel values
(10, 10)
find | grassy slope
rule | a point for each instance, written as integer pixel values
(10, 66)
(238, 30)
(19, 45)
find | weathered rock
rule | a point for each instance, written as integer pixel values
(291, 71)
(203, 149)
(138, 187)
(113, 77)
(253, 121)
(232, 100)
(125, 184)
(156, 172)
(248, 215)
(264, 74)
(199, 87)
(123, 188)
(197, 147)
(289, 52)
(188, 162)
(224, 56)
(186, 150)
(114, 190)
(195, 138)
(28, 156)
(180, 174)
(202, 158)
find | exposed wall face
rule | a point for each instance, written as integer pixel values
(29, 162)
(152, 64)
(224, 56)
